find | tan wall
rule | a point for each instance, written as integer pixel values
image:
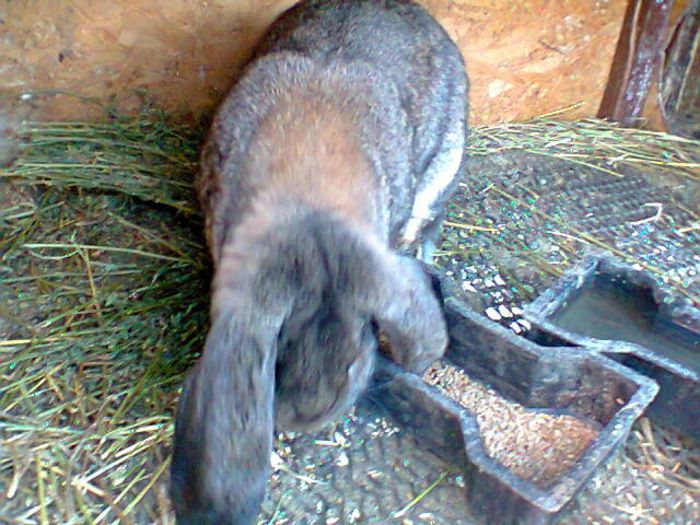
(524, 57)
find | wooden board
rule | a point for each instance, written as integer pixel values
(525, 57)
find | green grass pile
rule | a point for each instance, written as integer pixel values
(593, 143)
(103, 306)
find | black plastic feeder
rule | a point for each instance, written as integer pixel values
(582, 384)
(608, 307)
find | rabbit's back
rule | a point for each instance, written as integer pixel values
(396, 78)
(319, 134)
(408, 49)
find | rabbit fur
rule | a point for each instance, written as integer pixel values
(332, 155)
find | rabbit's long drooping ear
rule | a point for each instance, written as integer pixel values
(409, 313)
(224, 424)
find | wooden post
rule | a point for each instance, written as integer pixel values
(637, 59)
(679, 85)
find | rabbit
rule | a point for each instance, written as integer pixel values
(322, 176)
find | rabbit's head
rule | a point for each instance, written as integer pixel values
(292, 344)
(348, 289)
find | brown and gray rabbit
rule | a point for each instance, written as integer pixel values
(340, 143)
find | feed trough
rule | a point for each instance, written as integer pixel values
(611, 308)
(543, 386)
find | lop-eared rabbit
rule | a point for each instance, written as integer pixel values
(334, 152)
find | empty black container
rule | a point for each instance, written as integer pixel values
(580, 383)
(608, 307)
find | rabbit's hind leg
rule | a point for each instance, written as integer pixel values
(429, 239)
(437, 181)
